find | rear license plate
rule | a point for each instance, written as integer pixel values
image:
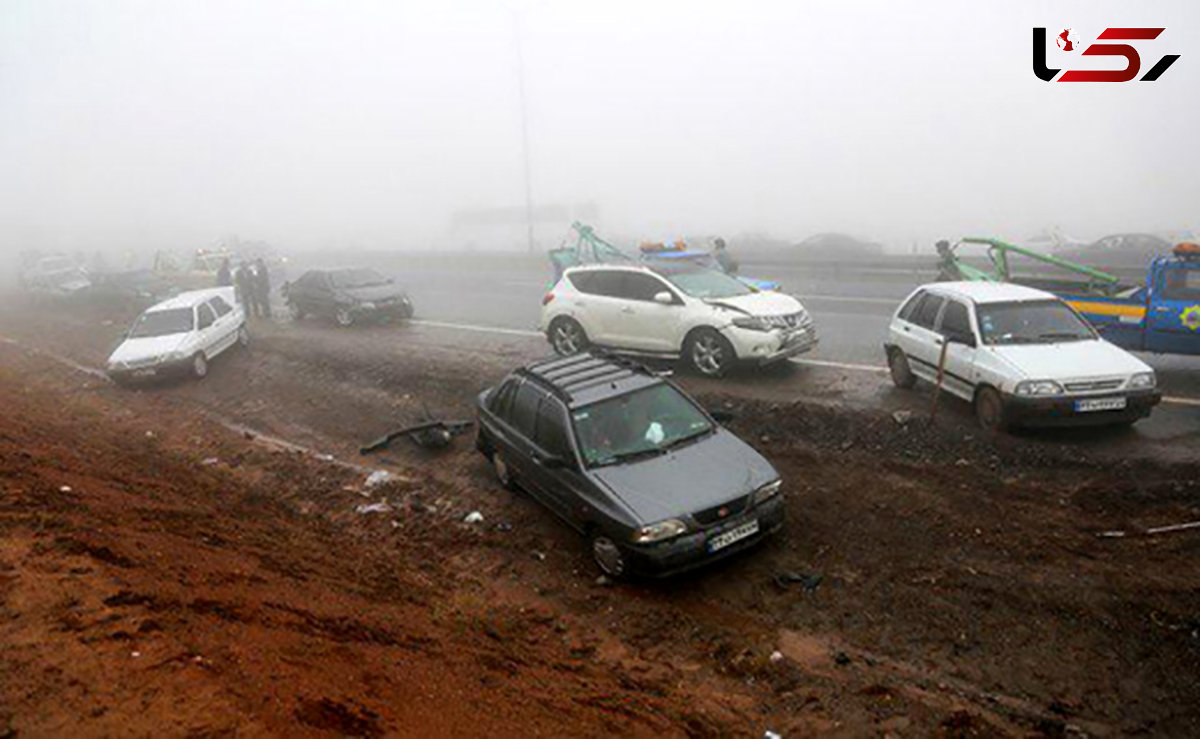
(145, 373)
(1099, 404)
(722, 540)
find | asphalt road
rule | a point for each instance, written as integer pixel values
(851, 311)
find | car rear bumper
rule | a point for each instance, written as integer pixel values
(1061, 411)
(691, 550)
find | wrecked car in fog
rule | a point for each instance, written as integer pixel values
(347, 296)
(629, 460)
(59, 275)
(180, 336)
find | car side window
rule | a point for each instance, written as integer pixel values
(582, 281)
(956, 320)
(637, 286)
(523, 416)
(220, 306)
(501, 400)
(204, 316)
(926, 313)
(907, 310)
(1181, 284)
(600, 282)
(552, 428)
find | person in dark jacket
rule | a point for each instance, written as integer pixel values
(244, 281)
(224, 274)
(262, 288)
(727, 263)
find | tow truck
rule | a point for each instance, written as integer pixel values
(1161, 315)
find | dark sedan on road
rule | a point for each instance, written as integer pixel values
(629, 460)
(347, 296)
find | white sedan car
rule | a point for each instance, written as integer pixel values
(710, 319)
(1021, 356)
(180, 336)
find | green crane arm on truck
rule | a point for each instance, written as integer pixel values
(952, 267)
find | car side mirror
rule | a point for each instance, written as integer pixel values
(664, 298)
(721, 416)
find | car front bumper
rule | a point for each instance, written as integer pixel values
(768, 347)
(149, 373)
(399, 308)
(690, 551)
(1061, 410)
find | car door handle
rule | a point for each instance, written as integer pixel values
(905, 329)
(627, 309)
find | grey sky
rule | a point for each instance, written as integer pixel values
(326, 123)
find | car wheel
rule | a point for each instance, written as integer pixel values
(608, 555)
(709, 353)
(344, 317)
(902, 374)
(243, 337)
(199, 366)
(503, 471)
(989, 410)
(567, 336)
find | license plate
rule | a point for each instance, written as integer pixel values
(1099, 404)
(722, 540)
(145, 373)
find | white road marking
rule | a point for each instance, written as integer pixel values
(476, 328)
(840, 365)
(1182, 401)
(852, 299)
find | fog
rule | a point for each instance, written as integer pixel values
(143, 125)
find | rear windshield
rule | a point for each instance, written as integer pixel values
(705, 283)
(1032, 322)
(643, 423)
(357, 278)
(162, 323)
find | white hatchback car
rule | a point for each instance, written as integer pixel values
(710, 319)
(1021, 356)
(180, 336)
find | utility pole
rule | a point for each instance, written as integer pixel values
(524, 132)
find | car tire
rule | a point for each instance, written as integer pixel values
(608, 555)
(566, 336)
(709, 353)
(243, 337)
(344, 317)
(199, 366)
(989, 410)
(503, 471)
(902, 374)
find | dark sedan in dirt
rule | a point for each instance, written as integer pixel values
(346, 295)
(629, 460)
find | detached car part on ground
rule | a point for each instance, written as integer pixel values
(707, 318)
(347, 296)
(1021, 356)
(630, 461)
(180, 336)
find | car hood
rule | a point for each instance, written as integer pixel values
(691, 478)
(133, 350)
(373, 292)
(765, 303)
(1070, 359)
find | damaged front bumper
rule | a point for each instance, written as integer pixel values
(768, 347)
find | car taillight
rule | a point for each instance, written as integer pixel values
(547, 298)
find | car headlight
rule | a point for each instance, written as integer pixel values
(175, 356)
(659, 531)
(753, 323)
(1142, 380)
(1038, 387)
(766, 492)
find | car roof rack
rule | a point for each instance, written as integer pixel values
(567, 376)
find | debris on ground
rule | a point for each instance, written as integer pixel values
(209, 461)
(604, 581)
(809, 582)
(380, 507)
(376, 478)
(473, 517)
(902, 417)
(776, 656)
(432, 434)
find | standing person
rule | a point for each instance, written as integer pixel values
(727, 263)
(224, 274)
(244, 281)
(262, 288)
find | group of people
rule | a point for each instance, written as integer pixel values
(252, 284)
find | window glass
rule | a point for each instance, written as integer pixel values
(220, 306)
(956, 320)
(637, 425)
(926, 313)
(637, 286)
(501, 400)
(910, 307)
(1031, 322)
(523, 415)
(1181, 284)
(162, 323)
(552, 428)
(598, 282)
(353, 278)
(204, 315)
(705, 283)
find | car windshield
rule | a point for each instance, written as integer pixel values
(1032, 322)
(644, 423)
(162, 323)
(357, 278)
(706, 283)
(57, 264)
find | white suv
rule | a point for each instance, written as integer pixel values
(709, 318)
(1022, 356)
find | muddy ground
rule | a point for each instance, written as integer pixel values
(167, 566)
